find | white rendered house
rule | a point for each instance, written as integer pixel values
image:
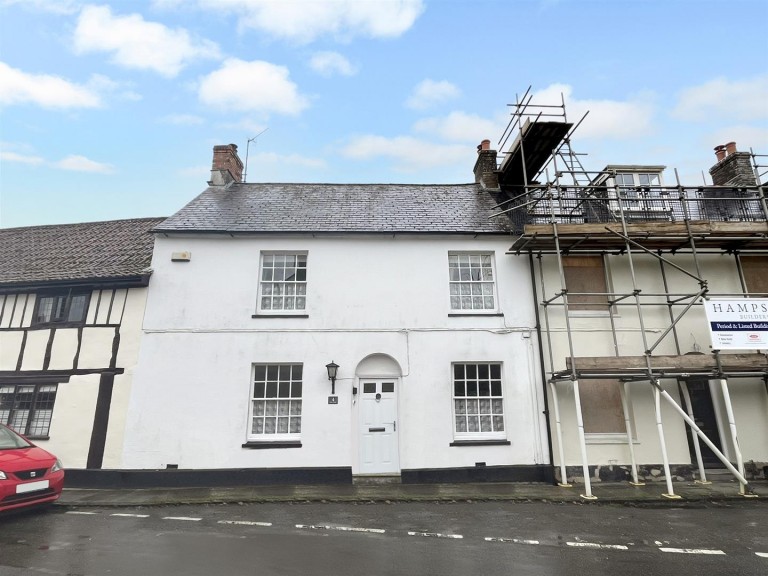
(257, 288)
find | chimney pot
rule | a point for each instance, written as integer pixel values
(720, 152)
(485, 145)
(730, 148)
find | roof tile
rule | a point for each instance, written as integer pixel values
(65, 252)
(363, 208)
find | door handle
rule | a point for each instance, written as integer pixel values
(382, 429)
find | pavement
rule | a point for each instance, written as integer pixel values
(617, 493)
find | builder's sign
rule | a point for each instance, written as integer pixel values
(738, 324)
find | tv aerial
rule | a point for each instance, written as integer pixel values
(247, 148)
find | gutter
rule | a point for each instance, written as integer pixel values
(167, 232)
(133, 281)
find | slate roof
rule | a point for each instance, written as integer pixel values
(89, 251)
(330, 208)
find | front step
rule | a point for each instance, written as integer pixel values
(376, 479)
(718, 473)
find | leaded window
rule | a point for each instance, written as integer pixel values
(276, 401)
(28, 408)
(283, 285)
(478, 402)
(471, 281)
(64, 307)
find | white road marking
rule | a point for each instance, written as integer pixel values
(435, 535)
(762, 554)
(131, 515)
(83, 513)
(692, 551)
(188, 519)
(596, 545)
(513, 540)
(245, 523)
(339, 528)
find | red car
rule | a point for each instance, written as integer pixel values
(28, 475)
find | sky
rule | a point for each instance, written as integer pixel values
(110, 110)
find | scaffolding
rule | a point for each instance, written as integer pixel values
(559, 209)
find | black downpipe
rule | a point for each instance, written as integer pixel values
(542, 368)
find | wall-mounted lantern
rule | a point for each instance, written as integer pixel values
(332, 368)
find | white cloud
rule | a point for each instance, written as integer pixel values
(167, 4)
(308, 20)
(722, 98)
(274, 167)
(53, 6)
(247, 125)
(6, 156)
(611, 119)
(255, 86)
(288, 160)
(182, 119)
(451, 140)
(18, 87)
(461, 127)
(22, 154)
(331, 63)
(82, 164)
(447, 141)
(430, 92)
(410, 154)
(123, 90)
(136, 43)
(201, 172)
(746, 137)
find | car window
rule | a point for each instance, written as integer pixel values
(10, 440)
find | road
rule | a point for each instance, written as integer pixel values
(483, 538)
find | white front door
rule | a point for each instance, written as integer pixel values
(378, 427)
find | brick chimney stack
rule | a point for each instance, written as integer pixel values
(733, 168)
(485, 167)
(227, 166)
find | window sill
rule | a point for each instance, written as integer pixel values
(280, 316)
(588, 314)
(267, 445)
(480, 443)
(607, 438)
(37, 438)
(454, 314)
